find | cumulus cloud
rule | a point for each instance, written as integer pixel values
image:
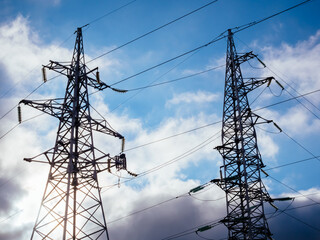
(193, 97)
(168, 182)
(296, 65)
(38, 136)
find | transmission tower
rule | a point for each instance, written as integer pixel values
(242, 163)
(71, 207)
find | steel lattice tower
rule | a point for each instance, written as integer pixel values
(71, 206)
(242, 163)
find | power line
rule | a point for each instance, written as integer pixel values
(177, 79)
(10, 110)
(193, 230)
(9, 90)
(297, 219)
(218, 38)
(169, 60)
(297, 93)
(268, 106)
(287, 100)
(158, 204)
(241, 28)
(12, 215)
(128, 99)
(171, 161)
(109, 13)
(144, 209)
(175, 135)
(11, 129)
(308, 109)
(152, 31)
(305, 223)
(245, 26)
(291, 188)
(303, 105)
(185, 154)
(303, 147)
(291, 163)
(95, 20)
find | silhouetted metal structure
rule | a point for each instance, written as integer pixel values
(71, 206)
(242, 163)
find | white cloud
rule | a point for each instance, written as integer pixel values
(297, 64)
(23, 53)
(35, 137)
(193, 97)
(38, 135)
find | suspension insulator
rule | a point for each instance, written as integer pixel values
(19, 114)
(109, 165)
(265, 173)
(98, 77)
(44, 74)
(196, 189)
(122, 145)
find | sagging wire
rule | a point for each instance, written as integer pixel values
(199, 189)
(152, 31)
(150, 84)
(265, 130)
(259, 95)
(300, 95)
(281, 211)
(177, 79)
(20, 121)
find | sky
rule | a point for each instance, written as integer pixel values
(32, 32)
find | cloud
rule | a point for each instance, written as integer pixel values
(19, 42)
(38, 135)
(296, 64)
(193, 97)
(170, 181)
(10, 193)
(16, 234)
(300, 219)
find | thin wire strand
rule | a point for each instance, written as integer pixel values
(109, 13)
(25, 97)
(192, 230)
(9, 90)
(287, 100)
(293, 88)
(245, 26)
(139, 91)
(218, 38)
(172, 136)
(171, 161)
(308, 109)
(291, 188)
(292, 163)
(152, 31)
(177, 79)
(170, 60)
(11, 129)
(303, 147)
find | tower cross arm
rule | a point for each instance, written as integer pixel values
(63, 69)
(47, 154)
(253, 83)
(93, 77)
(101, 125)
(100, 85)
(52, 107)
(241, 58)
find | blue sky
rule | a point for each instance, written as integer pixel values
(32, 32)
